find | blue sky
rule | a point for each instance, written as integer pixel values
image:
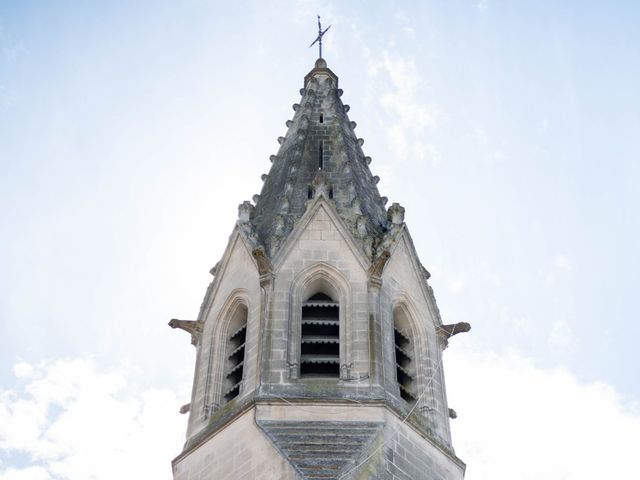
(130, 132)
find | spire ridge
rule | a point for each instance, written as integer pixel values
(320, 156)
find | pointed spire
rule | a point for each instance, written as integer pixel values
(319, 154)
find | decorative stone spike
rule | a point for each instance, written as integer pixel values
(263, 177)
(279, 231)
(273, 158)
(302, 91)
(356, 206)
(353, 125)
(368, 246)
(245, 211)
(214, 269)
(288, 123)
(361, 226)
(280, 140)
(255, 198)
(395, 214)
(367, 160)
(284, 208)
(295, 107)
(361, 141)
(384, 200)
(376, 179)
(339, 92)
(346, 108)
(427, 275)
(452, 414)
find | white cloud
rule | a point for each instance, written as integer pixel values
(561, 335)
(22, 369)
(519, 322)
(30, 473)
(399, 94)
(403, 99)
(519, 421)
(82, 422)
(75, 421)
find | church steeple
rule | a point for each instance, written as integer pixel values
(320, 152)
(319, 341)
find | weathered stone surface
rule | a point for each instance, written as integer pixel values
(320, 449)
(319, 138)
(319, 226)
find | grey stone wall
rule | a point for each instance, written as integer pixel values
(319, 218)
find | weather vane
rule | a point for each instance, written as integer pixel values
(319, 38)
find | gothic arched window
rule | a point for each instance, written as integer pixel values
(319, 334)
(404, 355)
(320, 337)
(234, 353)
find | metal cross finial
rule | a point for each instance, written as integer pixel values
(319, 38)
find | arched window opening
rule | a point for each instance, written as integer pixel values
(320, 337)
(404, 353)
(234, 354)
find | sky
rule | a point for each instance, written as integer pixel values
(131, 131)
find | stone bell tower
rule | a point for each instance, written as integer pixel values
(319, 342)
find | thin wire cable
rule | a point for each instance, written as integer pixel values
(404, 420)
(395, 429)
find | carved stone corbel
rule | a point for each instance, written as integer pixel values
(345, 371)
(191, 326)
(445, 332)
(293, 369)
(209, 409)
(378, 264)
(264, 265)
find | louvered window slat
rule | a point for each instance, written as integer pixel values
(234, 364)
(320, 337)
(404, 364)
